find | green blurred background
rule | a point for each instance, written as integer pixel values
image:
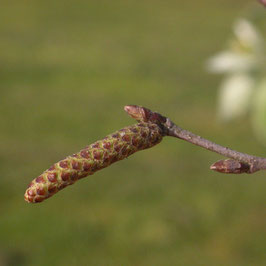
(67, 68)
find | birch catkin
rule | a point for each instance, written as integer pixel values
(94, 157)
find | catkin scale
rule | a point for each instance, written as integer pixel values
(102, 153)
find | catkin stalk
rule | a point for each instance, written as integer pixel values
(102, 153)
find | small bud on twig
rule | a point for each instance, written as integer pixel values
(144, 114)
(230, 166)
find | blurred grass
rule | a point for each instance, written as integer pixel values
(66, 71)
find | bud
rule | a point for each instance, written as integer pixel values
(230, 166)
(94, 157)
(144, 114)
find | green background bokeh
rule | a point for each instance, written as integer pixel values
(67, 68)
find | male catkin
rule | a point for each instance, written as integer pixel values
(102, 153)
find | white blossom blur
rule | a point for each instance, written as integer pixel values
(243, 64)
(234, 96)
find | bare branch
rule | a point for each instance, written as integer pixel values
(241, 163)
(150, 130)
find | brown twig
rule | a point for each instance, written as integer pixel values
(239, 163)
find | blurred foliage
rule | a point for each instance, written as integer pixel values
(66, 70)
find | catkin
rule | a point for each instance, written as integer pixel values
(102, 153)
